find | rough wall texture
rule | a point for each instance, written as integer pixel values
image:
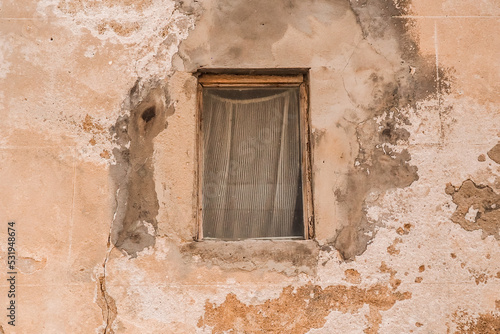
(98, 167)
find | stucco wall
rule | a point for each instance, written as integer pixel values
(404, 102)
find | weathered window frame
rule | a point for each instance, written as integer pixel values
(260, 78)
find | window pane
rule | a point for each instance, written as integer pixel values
(252, 173)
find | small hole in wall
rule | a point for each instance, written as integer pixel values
(148, 114)
(387, 133)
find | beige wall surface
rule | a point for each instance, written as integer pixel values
(405, 134)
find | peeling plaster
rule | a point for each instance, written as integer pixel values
(478, 208)
(297, 310)
(484, 323)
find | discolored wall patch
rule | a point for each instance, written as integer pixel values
(387, 170)
(384, 76)
(352, 276)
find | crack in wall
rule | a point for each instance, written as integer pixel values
(104, 300)
(108, 305)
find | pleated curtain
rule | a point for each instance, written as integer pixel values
(251, 163)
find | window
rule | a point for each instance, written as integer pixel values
(254, 166)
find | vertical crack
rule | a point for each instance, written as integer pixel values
(104, 300)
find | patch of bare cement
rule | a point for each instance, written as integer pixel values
(240, 30)
(381, 170)
(134, 226)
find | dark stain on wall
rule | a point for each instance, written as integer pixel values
(133, 174)
(387, 20)
(379, 168)
(386, 172)
(478, 208)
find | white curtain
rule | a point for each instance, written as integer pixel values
(251, 172)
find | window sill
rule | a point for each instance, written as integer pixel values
(289, 256)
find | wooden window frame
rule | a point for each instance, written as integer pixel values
(255, 78)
